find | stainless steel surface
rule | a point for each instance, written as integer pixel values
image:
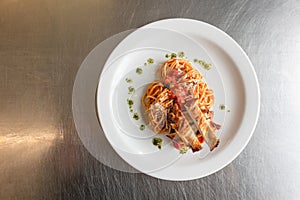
(42, 44)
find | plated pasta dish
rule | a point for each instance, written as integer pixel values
(179, 104)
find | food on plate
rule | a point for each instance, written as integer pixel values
(139, 70)
(142, 127)
(157, 142)
(179, 104)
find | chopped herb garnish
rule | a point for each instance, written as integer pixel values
(139, 70)
(222, 107)
(142, 127)
(166, 85)
(167, 55)
(157, 142)
(150, 61)
(128, 80)
(181, 54)
(145, 64)
(205, 65)
(173, 55)
(130, 102)
(228, 110)
(183, 150)
(131, 90)
(136, 116)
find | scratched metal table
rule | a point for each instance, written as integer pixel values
(42, 45)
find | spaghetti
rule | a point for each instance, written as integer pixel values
(179, 105)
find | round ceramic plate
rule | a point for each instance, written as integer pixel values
(241, 97)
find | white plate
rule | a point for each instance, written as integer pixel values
(241, 86)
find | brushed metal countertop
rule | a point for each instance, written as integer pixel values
(43, 43)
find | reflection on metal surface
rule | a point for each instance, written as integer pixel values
(12, 139)
(21, 157)
(84, 109)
